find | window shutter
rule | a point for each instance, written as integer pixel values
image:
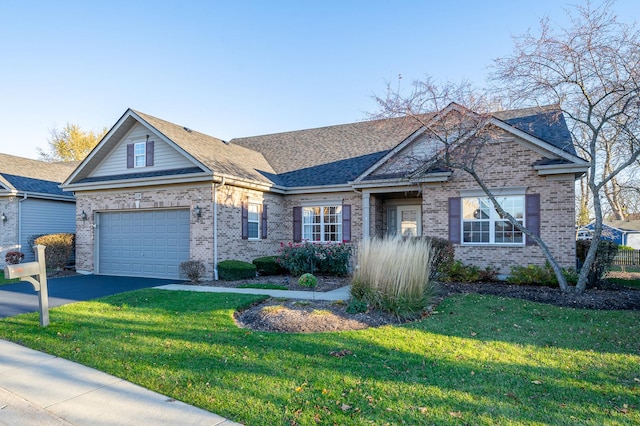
(264, 222)
(130, 156)
(455, 223)
(149, 153)
(245, 220)
(297, 224)
(532, 215)
(346, 223)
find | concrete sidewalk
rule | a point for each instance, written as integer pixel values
(342, 293)
(41, 389)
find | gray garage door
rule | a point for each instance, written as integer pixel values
(143, 243)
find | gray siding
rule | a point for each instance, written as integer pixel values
(165, 156)
(44, 217)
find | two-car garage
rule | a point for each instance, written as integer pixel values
(149, 243)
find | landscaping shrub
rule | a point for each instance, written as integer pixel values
(540, 275)
(393, 275)
(326, 259)
(13, 257)
(232, 270)
(607, 251)
(268, 266)
(442, 257)
(59, 249)
(193, 270)
(308, 280)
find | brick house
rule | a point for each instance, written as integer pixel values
(156, 193)
(32, 203)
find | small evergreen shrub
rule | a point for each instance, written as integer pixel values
(443, 257)
(325, 259)
(540, 275)
(607, 251)
(268, 266)
(393, 275)
(233, 270)
(308, 280)
(59, 249)
(193, 270)
(13, 257)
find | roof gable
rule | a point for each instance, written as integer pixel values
(25, 175)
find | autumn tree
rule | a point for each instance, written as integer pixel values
(591, 69)
(457, 122)
(70, 144)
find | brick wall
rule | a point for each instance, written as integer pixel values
(9, 229)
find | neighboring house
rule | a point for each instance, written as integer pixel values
(32, 203)
(157, 193)
(621, 232)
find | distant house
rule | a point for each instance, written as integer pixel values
(621, 232)
(32, 203)
(158, 193)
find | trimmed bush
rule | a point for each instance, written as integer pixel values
(308, 280)
(13, 257)
(193, 270)
(393, 275)
(268, 266)
(325, 259)
(607, 251)
(59, 249)
(233, 270)
(539, 275)
(443, 257)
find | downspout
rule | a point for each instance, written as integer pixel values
(215, 227)
(24, 197)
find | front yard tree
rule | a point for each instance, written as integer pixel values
(456, 120)
(592, 70)
(70, 144)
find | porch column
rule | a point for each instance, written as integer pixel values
(366, 215)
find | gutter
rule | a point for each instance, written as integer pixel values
(215, 227)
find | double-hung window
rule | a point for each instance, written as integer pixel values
(253, 221)
(482, 224)
(140, 154)
(322, 224)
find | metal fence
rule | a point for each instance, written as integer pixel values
(627, 258)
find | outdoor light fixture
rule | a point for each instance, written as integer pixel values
(83, 216)
(3, 218)
(197, 212)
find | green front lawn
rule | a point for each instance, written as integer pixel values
(479, 360)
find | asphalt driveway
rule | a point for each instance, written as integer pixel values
(20, 298)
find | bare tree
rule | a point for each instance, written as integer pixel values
(592, 70)
(71, 143)
(457, 137)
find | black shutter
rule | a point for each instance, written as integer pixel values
(264, 222)
(149, 153)
(532, 215)
(297, 224)
(454, 220)
(245, 220)
(346, 223)
(130, 156)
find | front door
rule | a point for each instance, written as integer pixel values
(405, 221)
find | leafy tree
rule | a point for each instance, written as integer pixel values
(592, 70)
(71, 143)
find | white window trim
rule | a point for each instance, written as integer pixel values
(143, 155)
(259, 221)
(493, 218)
(323, 239)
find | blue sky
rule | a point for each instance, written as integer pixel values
(239, 68)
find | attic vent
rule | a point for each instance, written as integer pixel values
(187, 129)
(225, 142)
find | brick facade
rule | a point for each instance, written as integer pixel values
(9, 229)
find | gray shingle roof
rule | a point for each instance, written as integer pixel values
(217, 155)
(338, 154)
(33, 176)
